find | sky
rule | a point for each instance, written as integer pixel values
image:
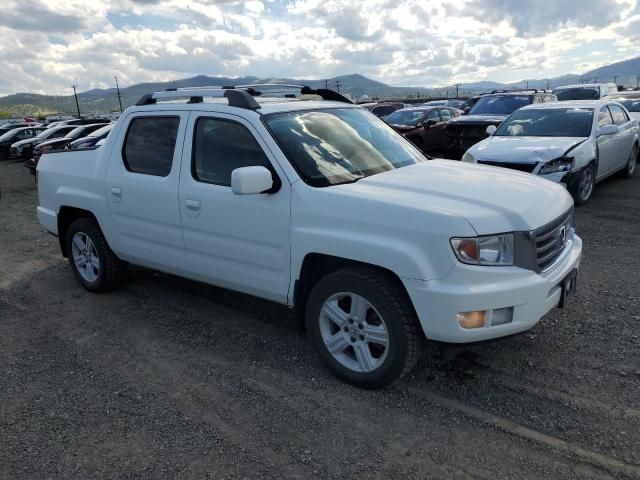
(48, 45)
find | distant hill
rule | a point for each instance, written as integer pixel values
(106, 100)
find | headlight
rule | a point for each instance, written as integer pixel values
(467, 157)
(562, 164)
(486, 250)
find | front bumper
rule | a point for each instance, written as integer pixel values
(470, 288)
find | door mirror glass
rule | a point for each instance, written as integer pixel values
(251, 180)
(608, 130)
(429, 123)
(491, 129)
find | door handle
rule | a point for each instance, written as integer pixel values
(193, 204)
(116, 194)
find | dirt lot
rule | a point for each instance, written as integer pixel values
(172, 378)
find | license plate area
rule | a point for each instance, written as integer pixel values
(568, 288)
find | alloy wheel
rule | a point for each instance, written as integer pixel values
(586, 183)
(85, 257)
(353, 332)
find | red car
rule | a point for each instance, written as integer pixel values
(424, 126)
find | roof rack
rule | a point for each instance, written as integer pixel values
(515, 90)
(240, 96)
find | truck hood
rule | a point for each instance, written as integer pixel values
(478, 119)
(523, 149)
(491, 199)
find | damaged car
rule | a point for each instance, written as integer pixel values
(577, 143)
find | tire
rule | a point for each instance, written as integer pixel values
(381, 311)
(582, 183)
(632, 163)
(85, 241)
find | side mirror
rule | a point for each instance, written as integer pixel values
(429, 123)
(608, 130)
(251, 180)
(466, 110)
(491, 129)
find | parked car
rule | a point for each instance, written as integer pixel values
(385, 108)
(585, 91)
(423, 126)
(24, 148)
(15, 135)
(80, 121)
(491, 109)
(7, 127)
(435, 103)
(578, 143)
(93, 138)
(59, 144)
(455, 103)
(317, 205)
(630, 100)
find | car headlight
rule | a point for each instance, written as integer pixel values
(485, 250)
(467, 157)
(562, 164)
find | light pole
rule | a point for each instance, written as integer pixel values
(75, 94)
(118, 89)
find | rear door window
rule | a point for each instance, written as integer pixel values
(149, 145)
(619, 117)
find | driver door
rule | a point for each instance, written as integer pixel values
(607, 145)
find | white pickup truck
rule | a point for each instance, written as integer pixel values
(319, 205)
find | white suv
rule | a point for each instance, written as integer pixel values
(321, 206)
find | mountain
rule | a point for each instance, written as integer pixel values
(106, 100)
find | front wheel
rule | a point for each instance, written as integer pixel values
(632, 161)
(363, 326)
(582, 183)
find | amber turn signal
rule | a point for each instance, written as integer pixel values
(471, 319)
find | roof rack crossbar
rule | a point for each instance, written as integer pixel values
(240, 96)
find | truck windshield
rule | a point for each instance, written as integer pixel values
(339, 145)
(499, 104)
(578, 93)
(547, 122)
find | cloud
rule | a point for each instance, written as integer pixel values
(412, 42)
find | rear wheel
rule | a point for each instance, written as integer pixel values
(363, 326)
(94, 264)
(581, 184)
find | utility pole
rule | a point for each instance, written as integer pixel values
(326, 84)
(338, 85)
(638, 81)
(457, 90)
(527, 86)
(547, 84)
(118, 89)
(615, 79)
(75, 94)
(595, 79)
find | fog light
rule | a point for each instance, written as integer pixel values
(471, 319)
(502, 316)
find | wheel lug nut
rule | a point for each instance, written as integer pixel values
(353, 339)
(346, 329)
(351, 320)
(360, 326)
(362, 337)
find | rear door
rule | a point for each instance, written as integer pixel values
(142, 190)
(240, 242)
(433, 136)
(625, 137)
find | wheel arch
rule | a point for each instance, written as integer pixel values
(66, 216)
(315, 266)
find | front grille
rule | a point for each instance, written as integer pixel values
(521, 167)
(550, 240)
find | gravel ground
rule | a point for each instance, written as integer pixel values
(168, 378)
